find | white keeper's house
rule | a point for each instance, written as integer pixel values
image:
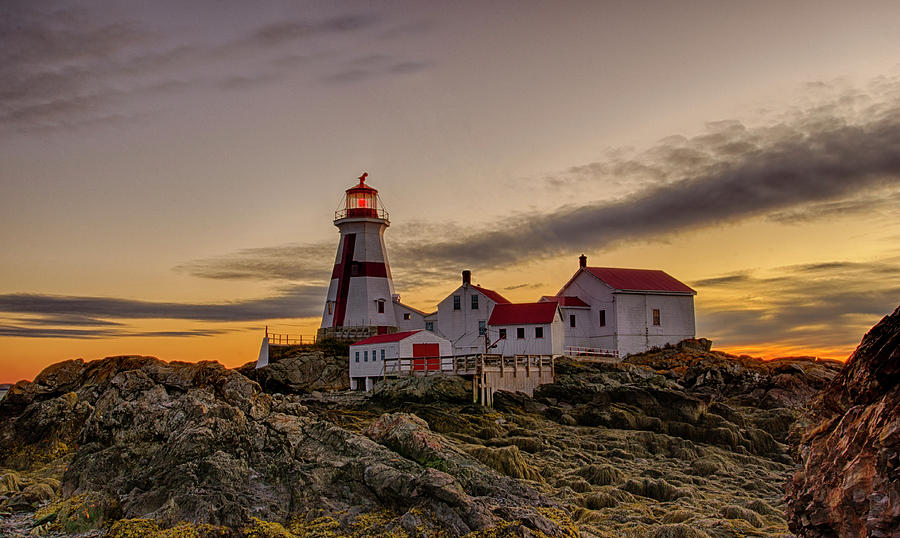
(624, 310)
(462, 317)
(604, 310)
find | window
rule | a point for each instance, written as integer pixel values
(331, 307)
(520, 332)
(656, 316)
(382, 354)
(406, 316)
(538, 332)
(603, 318)
(357, 356)
(456, 303)
(365, 356)
(429, 325)
(502, 334)
(475, 302)
(571, 320)
(381, 307)
(482, 327)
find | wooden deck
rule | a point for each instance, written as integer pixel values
(489, 373)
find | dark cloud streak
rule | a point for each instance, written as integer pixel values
(296, 302)
(813, 160)
(823, 156)
(91, 334)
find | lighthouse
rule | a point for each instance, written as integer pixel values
(360, 300)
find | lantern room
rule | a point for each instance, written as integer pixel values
(361, 201)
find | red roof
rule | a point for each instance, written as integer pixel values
(383, 338)
(638, 279)
(492, 295)
(565, 300)
(523, 313)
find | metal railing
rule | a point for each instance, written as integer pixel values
(362, 212)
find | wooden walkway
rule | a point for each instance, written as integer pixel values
(489, 373)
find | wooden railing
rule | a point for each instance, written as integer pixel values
(592, 352)
(281, 339)
(465, 365)
(489, 372)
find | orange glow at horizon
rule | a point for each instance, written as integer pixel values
(241, 346)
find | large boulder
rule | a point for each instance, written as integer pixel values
(848, 484)
(788, 382)
(304, 372)
(425, 389)
(199, 443)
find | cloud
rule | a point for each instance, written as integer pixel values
(286, 32)
(72, 64)
(812, 306)
(49, 58)
(884, 204)
(729, 173)
(801, 164)
(721, 280)
(294, 302)
(75, 320)
(90, 334)
(374, 66)
(521, 286)
(310, 263)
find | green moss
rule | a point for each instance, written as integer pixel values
(259, 528)
(504, 529)
(38, 454)
(559, 516)
(376, 524)
(79, 513)
(320, 527)
(148, 528)
(133, 528)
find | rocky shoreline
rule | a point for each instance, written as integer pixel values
(683, 441)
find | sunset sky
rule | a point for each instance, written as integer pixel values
(169, 170)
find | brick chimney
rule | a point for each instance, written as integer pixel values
(467, 277)
(582, 261)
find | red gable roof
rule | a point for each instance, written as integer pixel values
(523, 313)
(638, 279)
(565, 300)
(492, 295)
(383, 338)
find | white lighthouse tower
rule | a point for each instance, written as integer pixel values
(360, 297)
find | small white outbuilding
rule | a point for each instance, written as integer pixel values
(367, 356)
(526, 329)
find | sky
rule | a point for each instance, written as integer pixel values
(169, 170)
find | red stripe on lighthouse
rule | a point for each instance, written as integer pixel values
(376, 269)
(342, 273)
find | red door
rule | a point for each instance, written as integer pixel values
(430, 357)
